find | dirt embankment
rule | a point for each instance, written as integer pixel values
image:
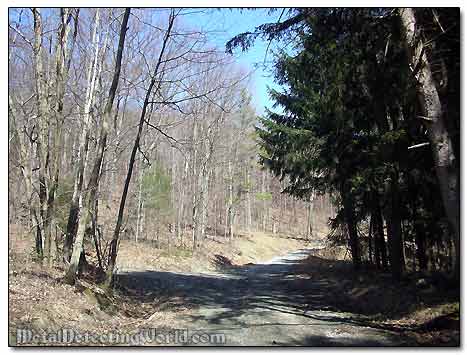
(426, 307)
(246, 248)
(423, 306)
(39, 300)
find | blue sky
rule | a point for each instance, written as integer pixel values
(222, 25)
(226, 23)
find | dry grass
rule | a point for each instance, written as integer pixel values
(428, 312)
(39, 300)
(261, 247)
(246, 248)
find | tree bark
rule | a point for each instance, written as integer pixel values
(140, 205)
(395, 237)
(50, 124)
(181, 210)
(309, 221)
(83, 147)
(248, 199)
(378, 234)
(116, 236)
(440, 139)
(84, 220)
(230, 203)
(43, 114)
(26, 171)
(203, 184)
(352, 228)
(263, 191)
(195, 197)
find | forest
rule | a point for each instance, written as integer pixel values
(371, 114)
(133, 141)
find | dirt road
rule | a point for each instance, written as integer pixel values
(258, 305)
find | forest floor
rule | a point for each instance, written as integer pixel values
(256, 290)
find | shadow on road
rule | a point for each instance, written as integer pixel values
(255, 288)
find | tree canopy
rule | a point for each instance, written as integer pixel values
(350, 123)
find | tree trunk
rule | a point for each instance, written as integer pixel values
(248, 200)
(203, 185)
(421, 248)
(95, 234)
(83, 147)
(140, 202)
(50, 132)
(116, 236)
(352, 228)
(43, 115)
(395, 238)
(230, 205)
(440, 139)
(26, 172)
(86, 202)
(263, 191)
(309, 224)
(378, 234)
(195, 197)
(181, 210)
